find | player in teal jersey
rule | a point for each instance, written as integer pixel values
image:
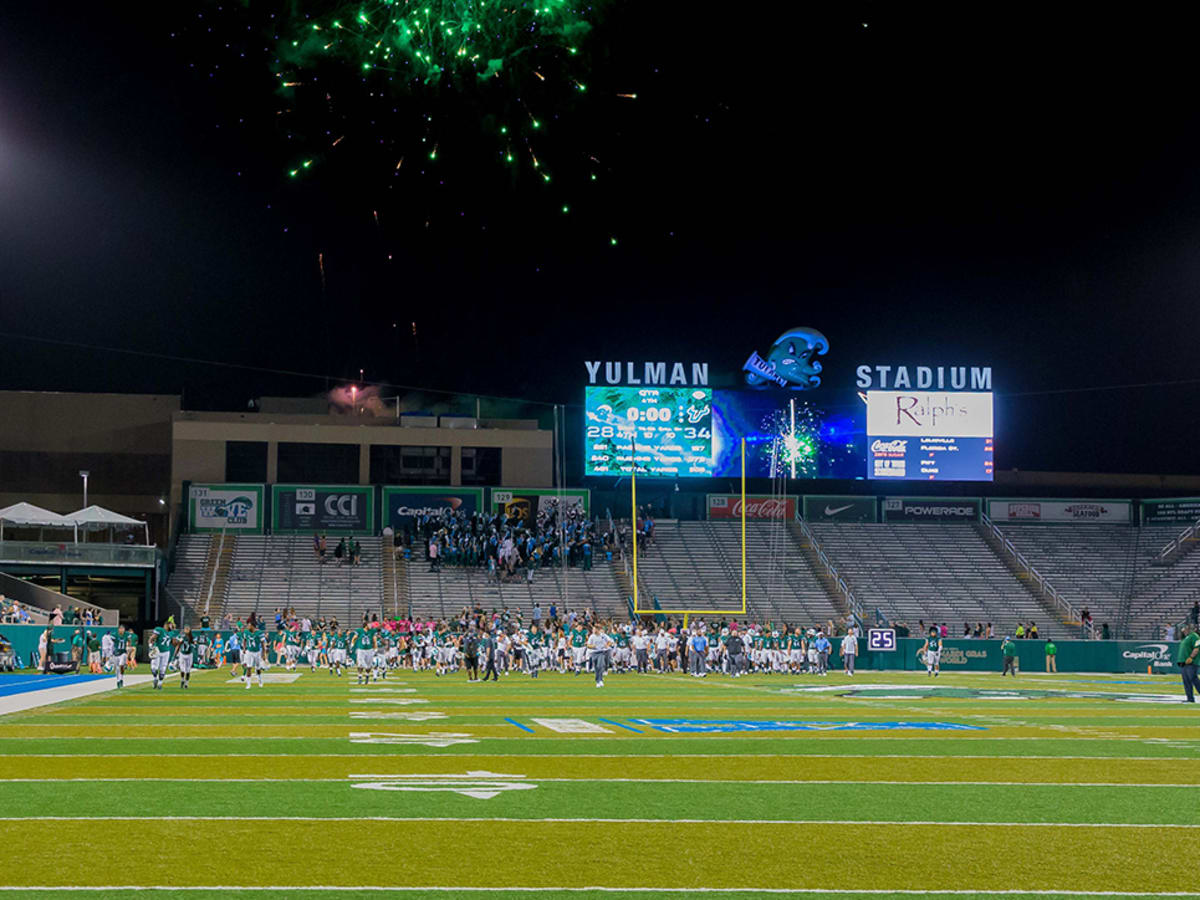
(291, 649)
(337, 652)
(161, 641)
(363, 643)
(622, 655)
(579, 638)
(932, 651)
(185, 648)
(251, 641)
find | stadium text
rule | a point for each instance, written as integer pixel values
(647, 373)
(956, 377)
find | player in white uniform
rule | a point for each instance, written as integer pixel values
(813, 661)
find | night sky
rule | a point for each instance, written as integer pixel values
(930, 185)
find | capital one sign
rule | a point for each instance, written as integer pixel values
(758, 506)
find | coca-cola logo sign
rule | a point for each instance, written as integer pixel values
(895, 446)
(758, 506)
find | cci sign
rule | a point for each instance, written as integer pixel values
(348, 509)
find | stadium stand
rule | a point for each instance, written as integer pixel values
(1115, 571)
(453, 588)
(698, 565)
(944, 573)
(282, 571)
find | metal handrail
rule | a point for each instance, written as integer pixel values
(840, 582)
(212, 583)
(1028, 569)
(1175, 545)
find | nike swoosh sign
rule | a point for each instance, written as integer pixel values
(834, 510)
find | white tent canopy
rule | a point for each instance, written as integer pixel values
(34, 517)
(30, 516)
(94, 518)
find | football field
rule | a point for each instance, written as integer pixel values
(893, 784)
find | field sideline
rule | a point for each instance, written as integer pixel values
(887, 784)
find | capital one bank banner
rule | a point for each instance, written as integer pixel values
(226, 507)
(1025, 510)
(758, 506)
(404, 505)
(336, 509)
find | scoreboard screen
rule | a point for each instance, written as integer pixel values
(668, 429)
(929, 436)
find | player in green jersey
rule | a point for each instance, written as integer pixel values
(185, 647)
(363, 642)
(579, 639)
(337, 652)
(161, 643)
(291, 649)
(251, 641)
(932, 651)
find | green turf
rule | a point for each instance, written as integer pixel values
(219, 786)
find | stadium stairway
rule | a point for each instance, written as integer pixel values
(187, 584)
(932, 572)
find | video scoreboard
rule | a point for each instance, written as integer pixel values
(930, 436)
(666, 430)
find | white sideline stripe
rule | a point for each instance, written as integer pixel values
(602, 889)
(50, 695)
(1023, 784)
(561, 820)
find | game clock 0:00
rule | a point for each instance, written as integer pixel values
(672, 428)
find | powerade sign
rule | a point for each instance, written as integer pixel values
(403, 507)
(348, 509)
(820, 508)
(931, 509)
(1175, 510)
(222, 507)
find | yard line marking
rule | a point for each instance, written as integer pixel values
(604, 889)
(586, 780)
(561, 820)
(631, 756)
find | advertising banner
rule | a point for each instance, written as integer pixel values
(1171, 511)
(758, 506)
(527, 503)
(935, 436)
(931, 509)
(328, 508)
(824, 508)
(220, 507)
(403, 505)
(1024, 510)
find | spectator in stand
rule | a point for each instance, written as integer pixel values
(966, 629)
(1020, 633)
(317, 546)
(1169, 632)
(1032, 631)
(56, 617)
(339, 552)
(1196, 612)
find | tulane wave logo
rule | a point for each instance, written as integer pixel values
(791, 362)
